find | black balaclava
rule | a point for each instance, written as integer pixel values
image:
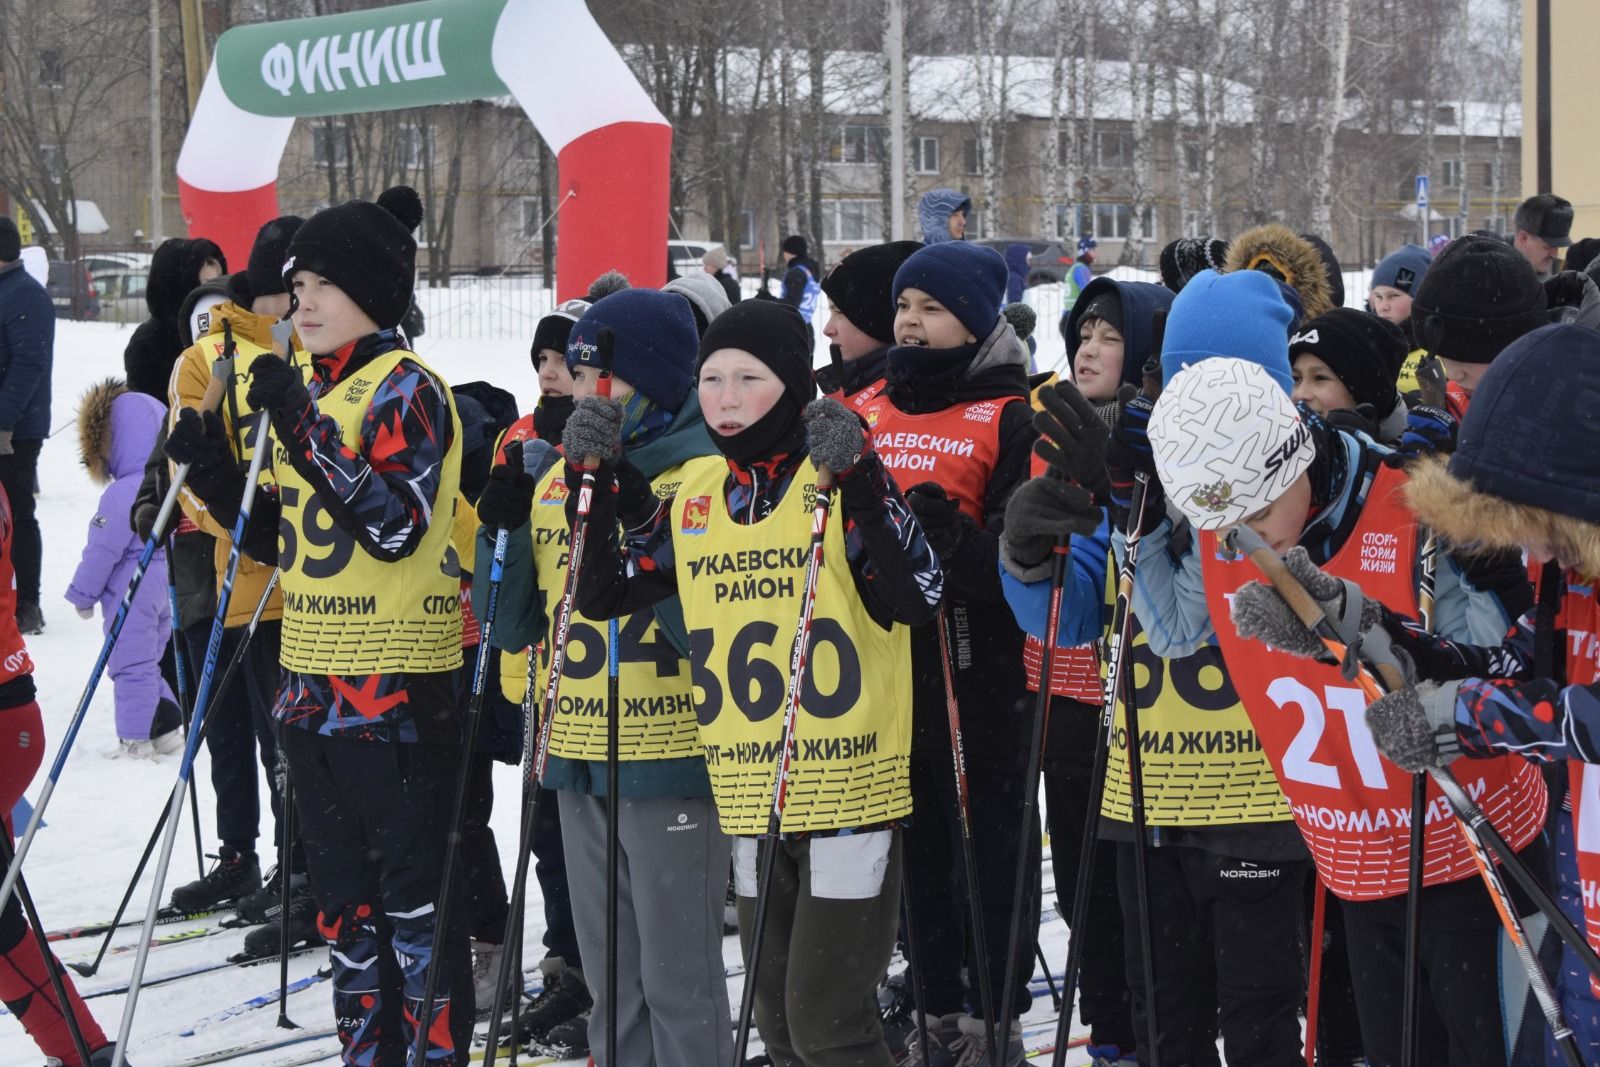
(774, 333)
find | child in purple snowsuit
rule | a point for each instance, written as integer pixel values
(116, 432)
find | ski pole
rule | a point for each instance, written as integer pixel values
(1319, 920)
(1118, 647)
(1049, 979)
(52, 966)
(913, 956)
(1411, 1003)
(798, 661)
(213, 396)
(969, 856)
(1022, 877)
(480, 674)
(88, 970)
(1468, 816)
(532, 736)
(285, 849)
(613, 832)
(186, 766)
(185, 709)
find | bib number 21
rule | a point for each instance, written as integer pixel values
(1351, 704)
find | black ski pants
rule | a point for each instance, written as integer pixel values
(1229, 953)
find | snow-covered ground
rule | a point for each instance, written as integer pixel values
(104, 808)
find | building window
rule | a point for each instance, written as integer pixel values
(925, 155)
(51, 72)
(1450, 171)
(531, 217)
(524, 142)
(1111, 222)
(858, 144)
(329, 144)
(971, 156)
(1113, 149)
(747, 228)
(852, 220)
(1194, 159)
(1488, 175)
(1071, 220)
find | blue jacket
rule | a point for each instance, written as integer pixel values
(27, 340)
(1140, 300)
(934, 211)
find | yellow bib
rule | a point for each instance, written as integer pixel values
(741, 587)
(1202, 761)
(657, 708)
(343, 611)
(1406, 381)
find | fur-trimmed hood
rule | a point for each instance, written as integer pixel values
(1291, 257)
(117, 430)
(1469, 518)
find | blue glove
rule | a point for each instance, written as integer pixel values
(1128, 453)
(1428, 431)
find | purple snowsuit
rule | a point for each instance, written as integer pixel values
(125, 439)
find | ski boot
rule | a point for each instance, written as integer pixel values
(567, 1040)
(254, 908)
(262, 942)
(563, 998)
(235, 875)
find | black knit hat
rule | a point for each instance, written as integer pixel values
(555, 329)
(861, 287)
(1477, 297)
(1188, 256)
(366, 249)
(774, 333)
(1362, 349)
(10, 240)
(1330, 262)
(1582, 253)
(1528, 437)
(263, 275)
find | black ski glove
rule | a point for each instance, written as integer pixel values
(198, 440)
(276, 386)
(1128, 454)
(507, 499)
(637, 502)
(940, 517)
(1041, 512)
(1072, 439)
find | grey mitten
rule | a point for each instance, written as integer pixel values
(1416, 726)
(593, 429)
(1260, 613)
(1039, 514)
(835, 436)
(538, 456)
(5, 443)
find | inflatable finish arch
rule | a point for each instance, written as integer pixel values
(612, 146)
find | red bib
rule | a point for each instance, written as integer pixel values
(1580, 618)
(957, 447)
(1352, 805)
(14, 660)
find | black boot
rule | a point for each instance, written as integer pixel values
(30, 620)
(235, 875)
(263, 941)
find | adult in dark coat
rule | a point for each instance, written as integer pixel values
(27, 341)
(178, 266)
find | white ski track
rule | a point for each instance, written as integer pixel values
(233, 1052)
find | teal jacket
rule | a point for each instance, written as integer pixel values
(522, 619)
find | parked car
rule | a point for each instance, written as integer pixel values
(1048, 260)
(686, 256)
(72, 290)
(122, 295)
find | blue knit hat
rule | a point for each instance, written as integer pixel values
(968, 279)
(1402, 269)
(1240, 314)
(655, 345)
(1528, 436)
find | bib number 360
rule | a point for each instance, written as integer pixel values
(756, 671)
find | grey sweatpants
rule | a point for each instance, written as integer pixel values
(672, 875)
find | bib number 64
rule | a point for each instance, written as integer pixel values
(1351, 704)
